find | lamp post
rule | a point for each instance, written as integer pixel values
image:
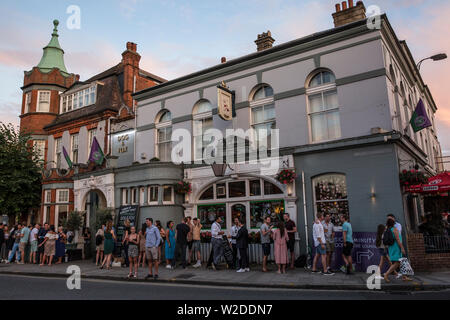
(220, 168)
(437, 57)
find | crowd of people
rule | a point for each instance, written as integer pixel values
(181, 245)
(38, 244)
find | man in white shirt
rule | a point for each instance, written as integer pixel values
(232, 237)
(216, 241)
(34, 242)
(319, 244)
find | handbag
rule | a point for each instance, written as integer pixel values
(405, 267)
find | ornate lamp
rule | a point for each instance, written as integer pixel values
(219, 168)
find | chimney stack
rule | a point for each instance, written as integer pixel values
(349, 13)
(130, 64)
(264, 41)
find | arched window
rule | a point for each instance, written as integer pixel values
(330, 195)
(263, 112)
(203, 120)
(323, 107)
(164, 135)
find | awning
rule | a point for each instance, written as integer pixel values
(436, 184)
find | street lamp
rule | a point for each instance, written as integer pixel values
(437, 57)
(220, 168)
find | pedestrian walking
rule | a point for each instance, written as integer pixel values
(320, 246)
(384, 257)
(216, 242)
(281, 238)
(196, 243)
(100, 244)
(242, 246)
(170, 245)
(16, 235)
(291, 229)
(133, 252)
(232, 237)
(162, 233)
(24, 239)
(60, 245)
(34, 243)
(396, 250)
(49, 245)
(152, 241)
(328, 230)
(142, 259)
(108, 248)
(347, 239)
(266, 233)
(182, 231)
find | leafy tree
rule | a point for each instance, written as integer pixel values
(73, 221)
(103, 215)
(20, 172)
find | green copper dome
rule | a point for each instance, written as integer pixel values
(53, 56)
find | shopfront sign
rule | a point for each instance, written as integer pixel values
(126, 213)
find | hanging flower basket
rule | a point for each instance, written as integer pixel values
(286, 176)
(412, 177)
(183, 187)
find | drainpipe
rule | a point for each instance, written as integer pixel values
(304, 211)
(135, 119)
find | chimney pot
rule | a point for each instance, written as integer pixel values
(350, 4)
(338, 7)
(264, 41)
(349, 14)
(223, 60)
(344, 5)
(129, 46)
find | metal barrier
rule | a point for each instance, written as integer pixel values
(437, 244)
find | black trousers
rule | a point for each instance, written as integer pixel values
(211, 257)
(235, 251)
(243, 263)
(180, 254)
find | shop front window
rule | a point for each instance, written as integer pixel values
(208, 214)
(238, 211)
(236, 189)
(266, 208)
(330, 193)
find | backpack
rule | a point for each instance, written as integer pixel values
(98, 240)
(388, 238)
(301, 261)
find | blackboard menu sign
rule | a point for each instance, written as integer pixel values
(126, 213)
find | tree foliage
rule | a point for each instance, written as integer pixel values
(73, 221)
(20, 172)
(103, 215)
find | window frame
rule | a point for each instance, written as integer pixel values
(171, 194)
(47, 196)
(262, 103)
(27, 106)
(72, 149)
(42, 92)
(58, 195)
(58, 152)
(149, 189)
(42, 144)
(322, 90)
(197, 118)
(159, 127)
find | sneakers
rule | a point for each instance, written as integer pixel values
(379, 277)
(241, 270)
(213, 266)
(328, 273)
(247, 269)
(168, 266)
(197, 265)
(149, 276)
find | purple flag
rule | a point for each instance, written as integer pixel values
(96, 154)
(419, 119)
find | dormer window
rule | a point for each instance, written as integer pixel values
(79, 99)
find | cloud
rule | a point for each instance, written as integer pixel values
(128, 8)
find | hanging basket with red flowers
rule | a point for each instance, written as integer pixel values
(412, 177)
(286, 176)
(183, 187)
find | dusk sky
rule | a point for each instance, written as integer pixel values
(178, 37)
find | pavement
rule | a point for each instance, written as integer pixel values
(293, 279)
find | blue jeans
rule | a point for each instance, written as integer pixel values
(13, 252)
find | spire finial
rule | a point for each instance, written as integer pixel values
(55, 29)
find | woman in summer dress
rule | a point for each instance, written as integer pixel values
(170, 244)
(49, 246)
(133, 251)
(396, 251)
(110, 237)
(142, 245)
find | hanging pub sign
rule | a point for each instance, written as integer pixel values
(224, 102)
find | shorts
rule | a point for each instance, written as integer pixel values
(330, 247)
(383, 252)
(347, 250)
(34, 246)
(291, 245)
(196, 246)
(133, 251)
(266, 249)
(152, 254)
(189, 244)
(22, 245)
(320, 250)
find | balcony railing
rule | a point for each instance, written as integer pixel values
(437, 244)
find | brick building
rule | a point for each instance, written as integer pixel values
(60, 111)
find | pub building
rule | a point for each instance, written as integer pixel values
(341, 100)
